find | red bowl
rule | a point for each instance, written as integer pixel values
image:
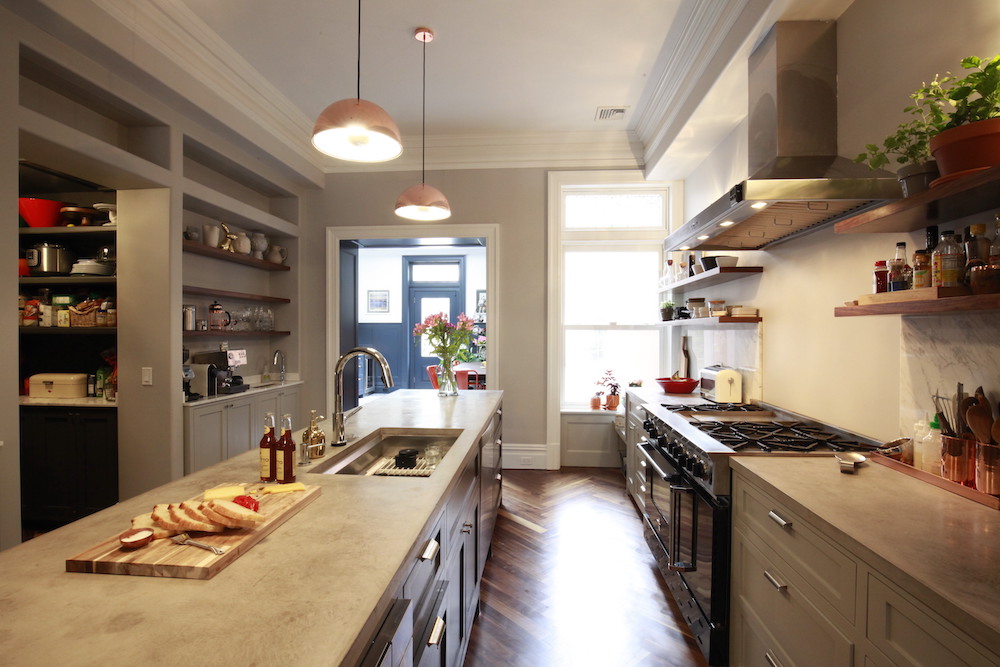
(39, 212)
(681, 386)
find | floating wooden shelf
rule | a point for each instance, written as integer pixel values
(201, 249)
(224, 294)
(716, 276)
(711, 321)
(67, 231)
(940, 306)
(960, 198)
(235, 334)
(68, 280)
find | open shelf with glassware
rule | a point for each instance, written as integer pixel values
(710, 321)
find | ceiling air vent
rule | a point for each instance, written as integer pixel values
(610, 113)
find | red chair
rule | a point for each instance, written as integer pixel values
(461, 378)
(432, 373)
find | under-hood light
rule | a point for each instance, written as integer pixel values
(703, 237)
(727, 223)
(759, 205)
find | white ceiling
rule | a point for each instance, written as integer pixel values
(516, 71)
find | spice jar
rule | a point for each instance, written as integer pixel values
(880, 277)
(921, 269)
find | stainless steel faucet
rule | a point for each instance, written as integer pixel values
(278, 354)
(339, 435)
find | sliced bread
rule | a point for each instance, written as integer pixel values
(146, 521)
(161, 515)
(181, 518)
(215, 517)
(236, 511)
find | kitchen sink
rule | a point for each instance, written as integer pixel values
(376, 453)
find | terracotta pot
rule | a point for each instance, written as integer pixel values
(967, 148)
(611, 402)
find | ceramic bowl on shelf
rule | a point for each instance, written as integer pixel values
(726, 260)
(39, 212)
(678, 386)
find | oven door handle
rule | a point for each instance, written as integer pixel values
(647, 453)
(677, 493)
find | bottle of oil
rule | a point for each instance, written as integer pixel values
(284, 451)
(267, 443)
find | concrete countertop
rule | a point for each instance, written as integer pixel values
(255, 388)
(301, 596)
(941, 548)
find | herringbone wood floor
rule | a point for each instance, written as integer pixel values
(571, 581)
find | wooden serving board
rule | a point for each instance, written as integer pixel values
(917, 294)
(166, 558)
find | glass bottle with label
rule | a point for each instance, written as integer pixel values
(947, 262)
(267, 443)
(284, 453)
(977, 249)
(900, 273)
(995, 246)
(880, 278)
(921, 269)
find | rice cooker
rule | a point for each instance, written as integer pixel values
(720, 384)
(49, 259)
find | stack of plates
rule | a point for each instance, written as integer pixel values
(91, 267)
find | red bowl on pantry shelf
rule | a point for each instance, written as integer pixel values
(40, 212)
(680, 386)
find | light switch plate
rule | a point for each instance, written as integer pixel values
(147, 376)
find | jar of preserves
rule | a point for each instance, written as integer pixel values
(880, 277)
(921, 269)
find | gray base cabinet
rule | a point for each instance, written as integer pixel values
(221, 429)
(799, 599)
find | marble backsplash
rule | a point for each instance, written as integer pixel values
(736, 346)
(937, 352)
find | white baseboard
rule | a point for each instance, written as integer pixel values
(525, 457)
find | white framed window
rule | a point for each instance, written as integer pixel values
(606, 232)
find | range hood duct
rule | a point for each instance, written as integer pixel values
(798, 183)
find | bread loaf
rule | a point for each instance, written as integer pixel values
(231, 510)
(215, 517)
(146, 521)
(188, 523)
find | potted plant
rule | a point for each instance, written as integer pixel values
(909, 145)
(613, 398)
(667, 310)
(970, 139)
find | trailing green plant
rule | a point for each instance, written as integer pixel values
(910, 142)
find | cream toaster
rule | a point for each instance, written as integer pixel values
(721, 384)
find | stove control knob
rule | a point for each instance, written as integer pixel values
(690, 462)
(649, 427)
(675, 449)
(698, 469)
(682, 460)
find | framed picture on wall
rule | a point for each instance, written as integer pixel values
(378, 301)
(481, 301)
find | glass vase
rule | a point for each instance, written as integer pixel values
(447, 385)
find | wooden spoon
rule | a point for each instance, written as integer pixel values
(963, 410)
(996, 431)
(980, 420)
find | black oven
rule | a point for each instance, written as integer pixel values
(688, 532)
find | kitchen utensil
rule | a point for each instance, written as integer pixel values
(988, 468)
(849, 461)
(980, 420)
(983, 401)
(687, 357)
(995, 431)
(49, 259)
(963, 410)
(946, 428)
(111, 210)
(39, 212)
(958, 458)
(184, 539)
(677, 386)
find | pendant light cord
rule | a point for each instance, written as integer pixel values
(359, 49)
(423, 120)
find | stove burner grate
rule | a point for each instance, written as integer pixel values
(777, 436)
(712, 407)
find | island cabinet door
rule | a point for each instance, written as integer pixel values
(204, 436)
(239, 426)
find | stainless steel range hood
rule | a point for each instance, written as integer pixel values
(798, 182)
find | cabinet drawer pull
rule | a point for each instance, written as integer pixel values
(499, 477)
(771, 660)
(467, 528)
(778, 519)
(437, 632)
(775, 581)
(642, 488)
(430, 550)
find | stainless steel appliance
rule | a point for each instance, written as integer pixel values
(49, 259)
(721, 385)
(685, 454)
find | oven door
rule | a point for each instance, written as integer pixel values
(688, 532)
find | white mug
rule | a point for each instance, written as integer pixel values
(210, 235)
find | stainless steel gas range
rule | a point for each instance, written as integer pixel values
(686, 487)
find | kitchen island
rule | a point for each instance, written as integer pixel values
(311, 593)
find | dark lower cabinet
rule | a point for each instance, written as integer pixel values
(69, 464)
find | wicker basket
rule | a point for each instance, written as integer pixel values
(84, 320)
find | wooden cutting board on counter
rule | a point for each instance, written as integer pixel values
(166, 558)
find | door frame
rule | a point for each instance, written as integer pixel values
(410, 289)
(334, 235)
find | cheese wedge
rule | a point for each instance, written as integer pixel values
(282, 488)
(225, 492)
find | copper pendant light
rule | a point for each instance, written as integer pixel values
(423, 202)
(355, 129)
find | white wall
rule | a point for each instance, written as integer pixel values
(382, 269)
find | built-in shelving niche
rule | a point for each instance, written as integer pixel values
(72, 101)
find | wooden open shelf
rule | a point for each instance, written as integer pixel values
(941, 306)
(198, 248)
(234, 334)
(224, 294)
(66, 331)
(962, 197)
(711, 321)
(709, 278)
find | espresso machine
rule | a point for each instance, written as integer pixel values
(213, 372)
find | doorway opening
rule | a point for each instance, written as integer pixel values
(387, 282)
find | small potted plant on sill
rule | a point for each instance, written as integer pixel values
(613, 398)
(667, 310)
(969, 141)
